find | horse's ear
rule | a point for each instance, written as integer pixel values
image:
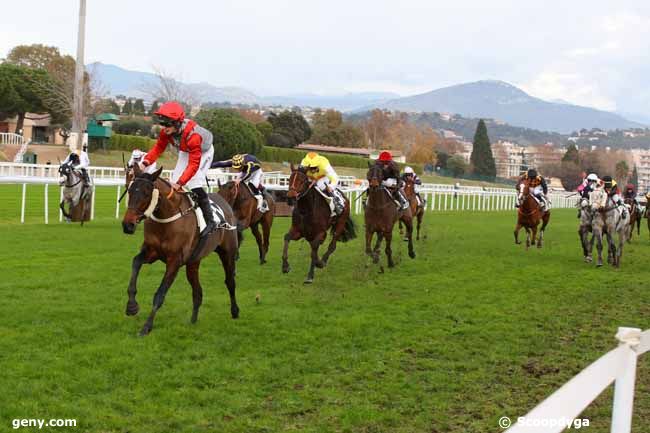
(156, 173)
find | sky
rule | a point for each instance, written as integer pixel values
(592, 53)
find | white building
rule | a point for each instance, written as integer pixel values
(641, 159)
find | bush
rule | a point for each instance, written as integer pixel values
(133, 126)
(130, 142)
(232, 133)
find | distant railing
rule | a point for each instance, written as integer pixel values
(15, 140)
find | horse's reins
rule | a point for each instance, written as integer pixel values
(292, 186)
(67, 177)
(153, 204)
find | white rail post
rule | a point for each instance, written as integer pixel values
(60, 200)
(46, 210)
(22, 205)
(92, 205)
(624, 385)
(446, 194)
(117, 203)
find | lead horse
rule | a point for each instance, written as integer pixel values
(311, 219)
(171, 234)
(76, 194)
(607, 219)
(417, 210)
(529, 215)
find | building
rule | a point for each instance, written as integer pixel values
(641, 159)
(36, 128)
(512, 159)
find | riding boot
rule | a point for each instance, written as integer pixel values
(339, 204)
(404, 204)
(262, 206)
(204, 203)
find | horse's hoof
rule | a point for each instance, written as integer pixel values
(308, 281)
(599, 264)
(132, 308)
(406, 239)
(262, 261)
(517, 243)
(391, 264)
(234, 312)
(146, 329)
(375, 258)
(320, 264)
(412, 254)
(286, 269)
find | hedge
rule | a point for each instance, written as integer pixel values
(268, 153)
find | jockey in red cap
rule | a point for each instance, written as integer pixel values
(195, 153)
(392, 179)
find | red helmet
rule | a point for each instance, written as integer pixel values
(385, 156)
(170, 111)
(630, 186)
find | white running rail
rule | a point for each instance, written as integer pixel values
(567, 403)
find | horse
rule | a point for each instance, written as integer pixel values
(380, 215)
(529, 215)
(585, 228)
(171, 234)
(244, 205)
(635, 218)
(609, 220)
(76, 194)
(417, 211)
(311, 218)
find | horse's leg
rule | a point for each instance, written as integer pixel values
(599, 246)
(419, 215)
(192, 272)
(173, 265)
(389, 251)
(375, 249)
(260, 242)
(292, 235)
(267, 223)
(368, 240)
(408, 222)
(516, 232)
(339, 228)
(315, 261)
(227, 257)
(144, 256)
(611, 248)
(584, 241)
(527, 237)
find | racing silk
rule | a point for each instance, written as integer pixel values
(391, 171)
(324, 170)
(84, 161)
(416, 179)
(193, 139)
(629, 194)
(537, 181)
(251, 165)
(585, 189)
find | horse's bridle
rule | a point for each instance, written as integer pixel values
(292, 186)
(153, 205)
(67, 174)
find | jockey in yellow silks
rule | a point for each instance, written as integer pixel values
(319, 170)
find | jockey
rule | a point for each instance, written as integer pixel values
(630, 193)
(195, 152)
(611, 188)
(80, 163)
(588, 185)
(410, 174)
(319, 170)
(250, 171)
(392, 180)
(136, 157)
(539, 187)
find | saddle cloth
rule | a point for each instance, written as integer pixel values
(217, 214)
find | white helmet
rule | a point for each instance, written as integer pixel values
(593, 177)
(408, 170)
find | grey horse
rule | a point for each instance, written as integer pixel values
(74, 193)
(607, 219)
(586, 216)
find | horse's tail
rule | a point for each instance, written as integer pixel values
(349, 232)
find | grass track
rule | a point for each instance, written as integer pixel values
(473, 329)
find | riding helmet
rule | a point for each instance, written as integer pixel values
(237, 161)
(170, 114)
(385, 156)
(532, 173)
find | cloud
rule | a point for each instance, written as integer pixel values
(571, 87)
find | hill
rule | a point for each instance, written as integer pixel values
(505, 102)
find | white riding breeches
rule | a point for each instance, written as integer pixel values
(256, 178)
(323, 183)
(199, 178)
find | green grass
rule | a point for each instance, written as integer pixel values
(473, 329)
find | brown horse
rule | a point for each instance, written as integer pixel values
(171, 235)
(244, 205)
(635, 218)
(417, 211)
(311, 218)
(529, 216)
(381, 214)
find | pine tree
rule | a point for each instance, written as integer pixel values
(634, 180)
(138, 107)
(128, 107)
(482, 159)
(572, 154)
(154, 108)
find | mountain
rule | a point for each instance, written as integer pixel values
(346, 102)
(505, 102)
(120, 81)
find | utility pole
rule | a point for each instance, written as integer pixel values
(78, 103)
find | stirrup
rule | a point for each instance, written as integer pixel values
(210, 227)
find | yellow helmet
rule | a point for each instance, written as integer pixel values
(311, 160)
(237, 161)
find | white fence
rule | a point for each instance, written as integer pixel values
(15, 139)
(439, 197)
(566, 404)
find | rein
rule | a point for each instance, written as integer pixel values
(153, 205)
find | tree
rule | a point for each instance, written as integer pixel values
(138, 107)
(113, 107)
(572, 154)
(622, 170)
(376, 128)
(265, 128)
(442, 159)
(292, 125)
(232, 133)
(634, 180)
(481, 158)
(328, 128)
(457, 165)
(154, 108)
(166, 87)
(128, 107)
